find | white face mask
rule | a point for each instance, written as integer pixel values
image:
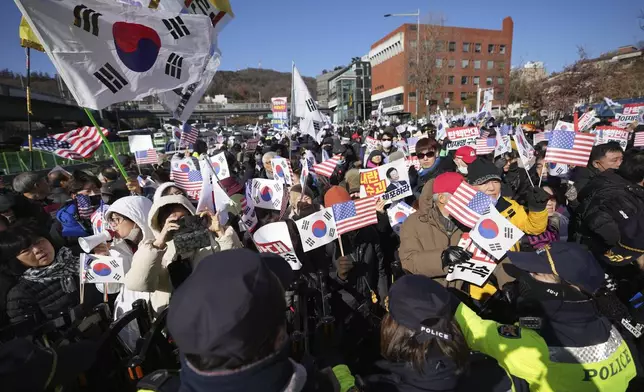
(462, 170)
(386, 143)
(134, 234)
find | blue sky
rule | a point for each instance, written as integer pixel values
(323, 34)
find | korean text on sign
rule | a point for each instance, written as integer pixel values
(372, 183)
(454, 134)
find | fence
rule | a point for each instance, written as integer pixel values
(18, 162)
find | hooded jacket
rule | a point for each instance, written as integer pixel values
(423, 238)
(72, 225)
(149, 269)
(137, 209)
(162, 188)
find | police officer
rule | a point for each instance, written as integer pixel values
(575, 348)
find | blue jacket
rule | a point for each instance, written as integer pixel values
(71, 222)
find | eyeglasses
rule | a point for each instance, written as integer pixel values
(386, 140)
(115, 221)
(429, 154)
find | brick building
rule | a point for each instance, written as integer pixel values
(465, 58)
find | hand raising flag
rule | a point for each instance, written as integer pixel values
(353, 215)
(467, 204)
(569, 147)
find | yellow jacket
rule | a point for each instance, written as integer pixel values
(530, 222)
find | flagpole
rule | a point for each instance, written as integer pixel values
(290, 147)
(107, 144)
(29, 113)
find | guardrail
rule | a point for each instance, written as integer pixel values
(18, 162)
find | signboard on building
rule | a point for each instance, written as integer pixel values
(393, 109)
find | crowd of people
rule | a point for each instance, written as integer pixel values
(371, 311)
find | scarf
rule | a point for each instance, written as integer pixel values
(423, 172)
(65, 265)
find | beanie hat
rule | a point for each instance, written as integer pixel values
(482, 171)
(336, 194)
(352, 178)
(447, 183)
(467, 154)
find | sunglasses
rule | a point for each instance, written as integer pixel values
(386, 140)
(429, 154)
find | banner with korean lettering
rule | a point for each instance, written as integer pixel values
(275, 238)
(390, 181)
(456, 134)
(476, 270)
(450, 145)
(609, 134)
(279, 107)
(633, 112)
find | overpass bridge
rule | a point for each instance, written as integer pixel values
(49, 108)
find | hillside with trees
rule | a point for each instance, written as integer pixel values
(238, 86)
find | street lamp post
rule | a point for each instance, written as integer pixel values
(417, 15)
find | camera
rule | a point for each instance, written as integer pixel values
(192, 234)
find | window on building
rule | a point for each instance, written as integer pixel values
(490, 48)
(500, 95)
(440, 46)
(476, 80)
(502, 49)
(500, 65)
(464, 80)
(451, 63)
(466, 47)
(463, 96)
(499, 81)
(412, 44)
(412, 95)
(477, 48)
(490, 64)
(439, 63)
(452, 46)
(477, 64)
(450, 95)
(488, 81)
(465, 63)
(450, 79)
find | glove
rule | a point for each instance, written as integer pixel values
(537, 199)
(343, 266)
(454, 255)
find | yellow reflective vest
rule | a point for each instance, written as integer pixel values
(523, 353)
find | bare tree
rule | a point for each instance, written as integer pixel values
(427, 75)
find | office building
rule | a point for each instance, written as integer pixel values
(350, 92)
(465, 59)
(322, 82)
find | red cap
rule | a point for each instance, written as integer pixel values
(467, 154)
(336, 194)
(447, 182)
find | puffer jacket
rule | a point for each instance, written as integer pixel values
(149, 271)
(137, 209)
(45, 300)
(529, 222)
(423, 238)
(72, 224)
(606, 196)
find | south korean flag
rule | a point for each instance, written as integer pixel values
(101, 269)
(267, 194)
(220, 166)
(557, 169)
(282, 171)
(495, 234)
(317, 229)
(398, 213)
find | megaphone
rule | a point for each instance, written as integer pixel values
(91, 242)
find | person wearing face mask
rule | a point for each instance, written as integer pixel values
(562, 343)
(464, 156)
(128, 221)
(485, 177)
(387, 141)
(431, 165)
(75, 215)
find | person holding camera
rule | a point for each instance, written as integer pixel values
(182, 240)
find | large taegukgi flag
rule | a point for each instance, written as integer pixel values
(109, 52)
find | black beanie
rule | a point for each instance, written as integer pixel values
(481, 171)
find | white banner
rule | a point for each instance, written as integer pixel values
(140, 143)
(274, 238)
(449, 146)
(390, 181)
(605, 135)
(476, 270)
(456, 134)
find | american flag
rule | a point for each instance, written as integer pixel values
(76, 144)
(485, 145)
(189, 135)
(485, 134)
(569, 147)
(187, 179)
(84, 205)
(353, 215)
(143, 157)
(638, 141)
(327, 167)
(540, 137)
(467, 204)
